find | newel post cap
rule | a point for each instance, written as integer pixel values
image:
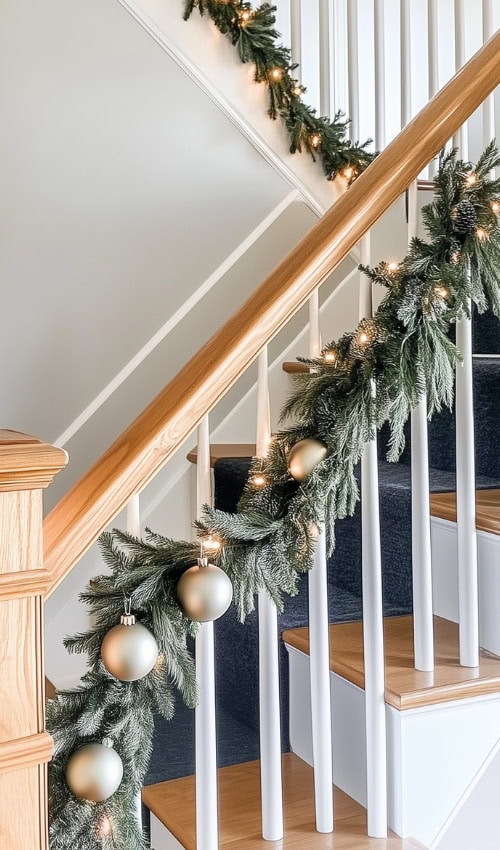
(27, 463)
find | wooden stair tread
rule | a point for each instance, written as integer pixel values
(173, 803)
(444, 506)
(406, 687)
(218, 451)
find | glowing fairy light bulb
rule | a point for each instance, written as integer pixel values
(363, 337)
(495, 206)
(481, 234)
(471, 179)
(211, 544)
(441, 291)
(259, 480)
(392, 267)
(245, 17)
(348, 172)
(297, 90)
(105, 827)
(315, 140)
(330, 356)
(276, 74)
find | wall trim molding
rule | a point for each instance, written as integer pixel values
(174, 320)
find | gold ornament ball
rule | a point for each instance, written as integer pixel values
(95, 771)
(204, 592)
(304, 456)
(129, 651)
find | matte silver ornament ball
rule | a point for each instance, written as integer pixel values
(95, 771)
(304, 456)
(129, 651)
(204, 592)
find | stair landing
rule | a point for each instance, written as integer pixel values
(406, 687)
(239, 806)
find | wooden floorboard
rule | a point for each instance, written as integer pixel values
(239, 810)
(444, 506)
(406, 687)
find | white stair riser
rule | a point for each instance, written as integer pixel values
(433, 752)
(161, 838)
(445, 579)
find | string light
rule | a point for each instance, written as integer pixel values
(495, 206)
(481, 234)
(105, 827)
(330, 356)
(471, 178)
(315, 140)
(441, 292)
(298, 91)
(392, 267)
(276, 74)
(211, 544)
(245, 17)
(259, 480)
(348, 172)
(363, 337)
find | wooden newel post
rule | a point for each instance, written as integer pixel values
(27, 466)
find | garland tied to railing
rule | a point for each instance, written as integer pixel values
(253, 32)
(404, 351)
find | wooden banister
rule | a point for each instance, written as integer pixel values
(140, 452)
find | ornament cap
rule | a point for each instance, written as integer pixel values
(203, 562)
(108, 742)
(127, 620)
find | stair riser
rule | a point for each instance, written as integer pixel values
(433, 752)
(445, 579)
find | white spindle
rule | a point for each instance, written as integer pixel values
(319, 651)
(373, 620)
(269, 698)
(207, 827)
(314, 328)
(133, 522)
(433, 61)
(423, 624)
(460, 139)
(489, 103)
(379, 75)
(465, 462)
(320, 687)
(353, 67)
(296, 32)
(325, 76)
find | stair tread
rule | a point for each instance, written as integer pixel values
(444, 506)
(173, 803)
(406, 687)
(225, 450)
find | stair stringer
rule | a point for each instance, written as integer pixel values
(213, 63)
(475, 820)
(434, 752)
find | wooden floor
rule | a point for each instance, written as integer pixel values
(239, 805)
(406, 687)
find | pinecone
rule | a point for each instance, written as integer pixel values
(464, 217)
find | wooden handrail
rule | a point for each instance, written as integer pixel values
(140, 452)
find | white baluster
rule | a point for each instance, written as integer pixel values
(269, 697)
(433, 61)
(460, 139)
(373, 621)
(207, 827)
(353, 68)
(133, 522)
(423, 624)
(379, 75)
(324, 58)
(296, 32)
(465, 463)
(489, 103)
(319, 648)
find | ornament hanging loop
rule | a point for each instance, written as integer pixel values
(127, 619)
(202, 560)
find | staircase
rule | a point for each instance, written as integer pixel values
(350, 640)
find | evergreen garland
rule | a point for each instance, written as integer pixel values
(403, 352)
(253, 32)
